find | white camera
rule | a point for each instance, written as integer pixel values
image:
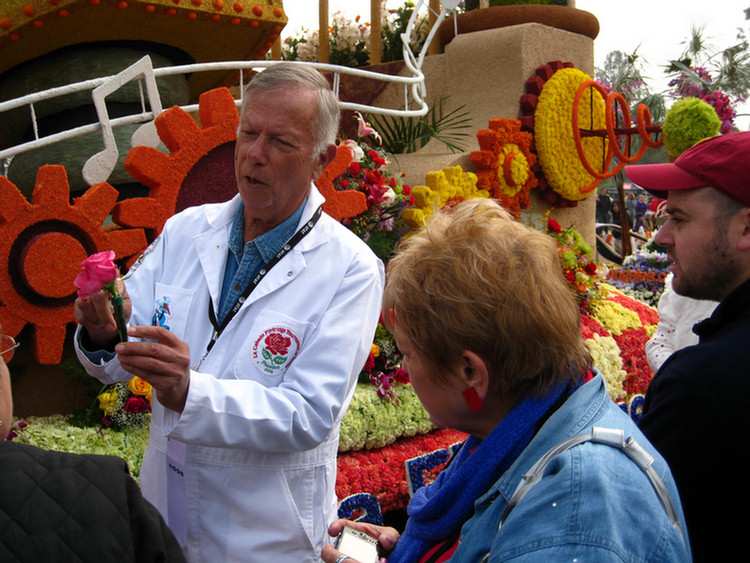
(357, 545)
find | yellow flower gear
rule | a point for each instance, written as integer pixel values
(553, 134)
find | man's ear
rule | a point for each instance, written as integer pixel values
(475, 372)
(744, 218)
(325, 159)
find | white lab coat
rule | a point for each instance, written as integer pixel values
(259, 438)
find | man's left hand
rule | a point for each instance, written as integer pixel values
(162, 359)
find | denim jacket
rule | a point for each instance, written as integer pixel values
(592, 504)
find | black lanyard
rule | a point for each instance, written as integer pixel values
(291, 243)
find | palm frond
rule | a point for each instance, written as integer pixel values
(409, 134)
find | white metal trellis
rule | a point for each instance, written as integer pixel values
(99, 166)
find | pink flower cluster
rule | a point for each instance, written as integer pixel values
(380, 224)
(685, 88)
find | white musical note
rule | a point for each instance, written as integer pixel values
(98, 168)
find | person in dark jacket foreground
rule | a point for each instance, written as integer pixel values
(697, 408)
(70, 508)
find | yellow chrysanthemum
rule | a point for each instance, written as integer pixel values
(108, 402)
(606, 355)
(553, 134)
(443, 186)
(614, 317)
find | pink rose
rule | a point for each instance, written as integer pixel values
(277, 344)
(97, 270)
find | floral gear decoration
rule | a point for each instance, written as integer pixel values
(551, 126)
(41, 245)
(505, 164)
(444, 187)
(553, 135)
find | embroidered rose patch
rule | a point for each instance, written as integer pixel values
(274, 350)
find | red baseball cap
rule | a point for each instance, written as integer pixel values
(721, 162)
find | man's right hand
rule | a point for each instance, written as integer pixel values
(95, 316)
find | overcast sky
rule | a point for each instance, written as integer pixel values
(657, 27)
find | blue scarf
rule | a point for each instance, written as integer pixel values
(441, 508)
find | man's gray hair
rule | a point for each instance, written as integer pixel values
(300, 76)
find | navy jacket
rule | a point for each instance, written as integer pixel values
(697, 414)
(70, 508)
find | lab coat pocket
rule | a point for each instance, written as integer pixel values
(172, 308)
(275, 341)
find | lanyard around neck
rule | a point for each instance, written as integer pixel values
(252, 284)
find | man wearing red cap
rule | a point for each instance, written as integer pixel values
(697, 409)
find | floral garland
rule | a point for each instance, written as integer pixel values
(386, 196)
(504, 163)
(577, 261)
(642, 275)
(553, 135)
(383, 365)
(372, 422)
(444, 187)
(382, 471)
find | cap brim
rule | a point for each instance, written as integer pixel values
(658, 179)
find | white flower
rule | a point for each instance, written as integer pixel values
(388, 197)
(357, 153)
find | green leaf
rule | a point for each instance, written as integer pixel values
(409, 134)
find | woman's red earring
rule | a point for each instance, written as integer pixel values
(473, 399)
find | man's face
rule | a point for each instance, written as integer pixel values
(275, 160)
(699, 245)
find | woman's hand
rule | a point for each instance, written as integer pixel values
(386, 536)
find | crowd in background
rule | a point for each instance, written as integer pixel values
(641, 210)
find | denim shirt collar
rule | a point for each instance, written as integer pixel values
(268, 244)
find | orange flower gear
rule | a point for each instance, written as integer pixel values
(504, 164)
(344, 203)
(42, 244)
(200, 166)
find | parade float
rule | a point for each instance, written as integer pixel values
(529, 94)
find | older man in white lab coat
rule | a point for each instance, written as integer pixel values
(251, 319)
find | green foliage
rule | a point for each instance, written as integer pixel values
(394, 26)
(409, 134)
(688, 121)
(92, 414)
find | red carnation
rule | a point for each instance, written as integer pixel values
(553, 225)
